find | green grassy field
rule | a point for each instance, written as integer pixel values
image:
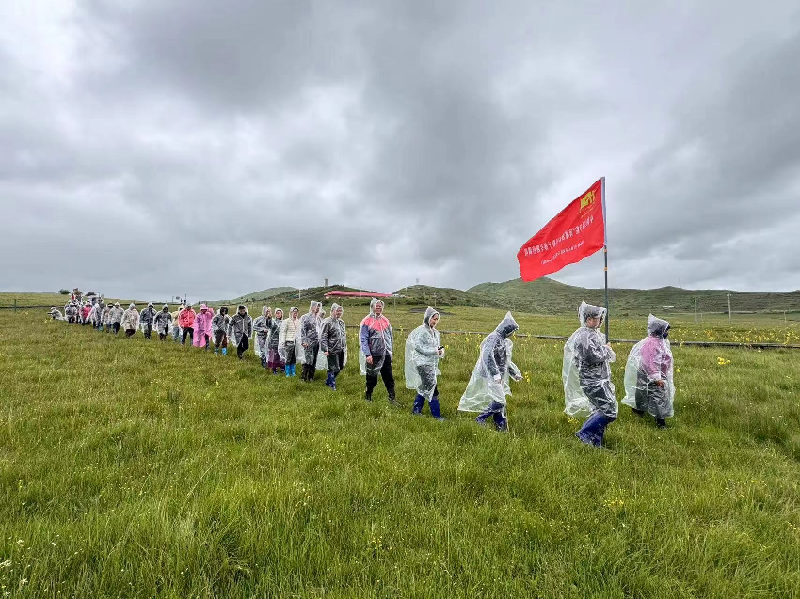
(143, 468)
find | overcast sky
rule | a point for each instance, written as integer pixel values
(217, 148)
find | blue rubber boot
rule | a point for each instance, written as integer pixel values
(419, 403)
(294, 369)
(288, 370)
(434, 405)
(593, 429)
(331, 381)
(224, 351)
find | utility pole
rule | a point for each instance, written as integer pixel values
(729, 307)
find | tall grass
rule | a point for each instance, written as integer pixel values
(143, 468)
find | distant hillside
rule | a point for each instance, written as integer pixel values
(257, 296)
(545, 296)
(423, 294)
(549, 296)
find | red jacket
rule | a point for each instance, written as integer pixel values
(186, 318)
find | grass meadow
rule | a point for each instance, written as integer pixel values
(142, 468)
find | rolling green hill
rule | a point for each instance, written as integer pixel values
(548, 296)
(257, 296)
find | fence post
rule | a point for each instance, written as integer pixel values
(15, 304)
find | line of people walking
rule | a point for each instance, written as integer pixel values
(320, 343)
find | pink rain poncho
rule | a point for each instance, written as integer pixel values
(649, 382)
(202, 325)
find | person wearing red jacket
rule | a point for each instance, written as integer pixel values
(186, 322)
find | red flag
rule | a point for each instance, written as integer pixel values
(576, 232)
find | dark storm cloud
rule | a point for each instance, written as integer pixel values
(215, 149)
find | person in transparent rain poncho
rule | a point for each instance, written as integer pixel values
(322, 359)
(96, 315)
(107, 313)
(423, 352)
(488, 385)
(308, 341)
(333, 344)
(219, 330)
(586, 375)
(146, 318)
(130, 320)
(240, 331)
(55, 313)
(287, 337)
(274, 362)
(649, 384)
(261, 330)
(376, 342)
(115, 317)
(162, 322)
(176, 327)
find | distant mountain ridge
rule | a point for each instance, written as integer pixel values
(549, 296)
(259, 295)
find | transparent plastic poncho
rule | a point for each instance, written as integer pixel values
(273, 336)
(283, 334)
(322, 359)
(261, 332)
(649, 382)
(162, 322)
(490, 377)
(130, 318)
(586, 372)
(174, 325)
(422, 356)
(239, 326)
(146, 317)
(308, 330)
(380, 338)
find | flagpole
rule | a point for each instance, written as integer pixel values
(605, 246)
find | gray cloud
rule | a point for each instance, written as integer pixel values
(150, 148)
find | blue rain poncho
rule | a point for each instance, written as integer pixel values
(489, 380)
(586, 373)
(422, 356)
(649, 383)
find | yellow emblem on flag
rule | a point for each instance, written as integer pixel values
(587, 200)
